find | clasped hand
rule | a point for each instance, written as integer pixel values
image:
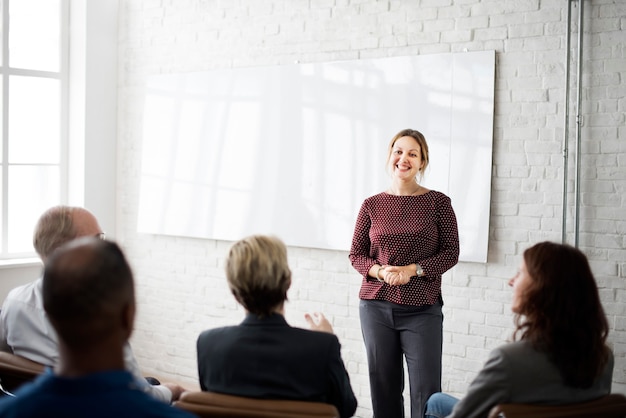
(395, 275)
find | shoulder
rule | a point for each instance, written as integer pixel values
(11, 407)
(316, 339)
(376, 198)
(22, 300)
(607, 374)
(514, 349)
(316, 335)
(22, 404)
(439, 202)
(215, 333)
(118, 395)
(521, 356)
(379, 201)
(437, 196)
(25, 291)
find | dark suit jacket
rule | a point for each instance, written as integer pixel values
(267, 358)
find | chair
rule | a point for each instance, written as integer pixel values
(609, 406)
(16, 370)
(214, 405)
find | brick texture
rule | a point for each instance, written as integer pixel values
(181, 284)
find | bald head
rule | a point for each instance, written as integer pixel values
(87, 291)
(61, 224)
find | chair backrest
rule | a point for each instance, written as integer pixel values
(17, 370)
(211, 405)
(609, 406)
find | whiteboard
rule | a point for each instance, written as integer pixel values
(293, 150)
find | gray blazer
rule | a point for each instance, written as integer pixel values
(517, 373)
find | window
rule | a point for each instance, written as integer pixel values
(33, 117)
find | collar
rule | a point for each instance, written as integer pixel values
(108, 380)
(274, 319)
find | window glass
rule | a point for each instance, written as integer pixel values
(34, 34)
(1, 215)
(1, 118)
(32, 190)
(34, 118)
(33, 85)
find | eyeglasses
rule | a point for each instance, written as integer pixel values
(101, 235)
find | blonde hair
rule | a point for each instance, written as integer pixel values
(421, 141)
(258, 274)
(54, 228)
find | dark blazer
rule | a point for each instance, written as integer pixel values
(267, 358)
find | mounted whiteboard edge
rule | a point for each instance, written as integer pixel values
(293, 150)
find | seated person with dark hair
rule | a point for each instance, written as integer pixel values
(264, 357)
(89, 298)
(24, 326)
(559, 354)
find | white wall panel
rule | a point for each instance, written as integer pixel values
(293, 150)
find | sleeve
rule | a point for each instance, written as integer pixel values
(159, 392)
(341, 394)
(360, 249)
(4, 345)
(27, 332)
(448, 254)
(489, 388)
(201, 354)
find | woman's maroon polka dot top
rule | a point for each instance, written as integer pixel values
(402, 230)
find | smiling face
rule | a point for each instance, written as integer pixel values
(521, 283)
(405, 160)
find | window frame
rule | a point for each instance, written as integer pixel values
(6, 71)
(91, 123)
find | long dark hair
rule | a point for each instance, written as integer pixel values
(561, 313)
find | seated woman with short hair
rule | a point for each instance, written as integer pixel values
(264, 357)
(559, 353)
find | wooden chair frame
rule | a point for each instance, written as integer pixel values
(213, 405)
(16, 370)
(609, 406)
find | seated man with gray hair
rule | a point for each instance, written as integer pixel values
(24, 326)
(89, 298)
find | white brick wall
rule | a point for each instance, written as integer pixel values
(181, 285)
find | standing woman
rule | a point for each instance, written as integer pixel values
(404, 240)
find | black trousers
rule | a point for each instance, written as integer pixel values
(391, 331)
